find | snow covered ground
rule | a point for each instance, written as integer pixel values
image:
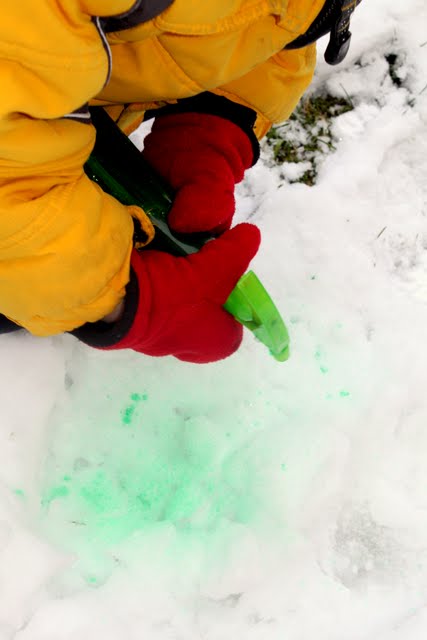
(250, 499)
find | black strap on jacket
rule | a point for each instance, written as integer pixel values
(334, 18)
(141, 11)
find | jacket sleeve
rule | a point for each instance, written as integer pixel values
(284, 78)
(64, 244)
(271, 91)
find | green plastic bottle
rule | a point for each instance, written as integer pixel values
(120, 170)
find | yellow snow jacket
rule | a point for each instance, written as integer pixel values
(64, 244)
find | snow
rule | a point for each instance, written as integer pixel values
(279, 500)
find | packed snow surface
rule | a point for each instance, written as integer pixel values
(250, 499)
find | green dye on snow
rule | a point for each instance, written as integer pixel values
(138, 397)
(128, 414)
(341, 394)
(53, 494)
(178, 472)
(129, 411)
(318, 357)
(19, 492)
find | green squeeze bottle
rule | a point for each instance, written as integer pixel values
(120, 170)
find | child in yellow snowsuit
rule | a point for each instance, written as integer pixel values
(216, 74)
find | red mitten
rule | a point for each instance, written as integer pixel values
(179, 309)
(202, 157)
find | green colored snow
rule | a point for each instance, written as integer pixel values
(128, 480)
(319, 357)
(54, 493)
